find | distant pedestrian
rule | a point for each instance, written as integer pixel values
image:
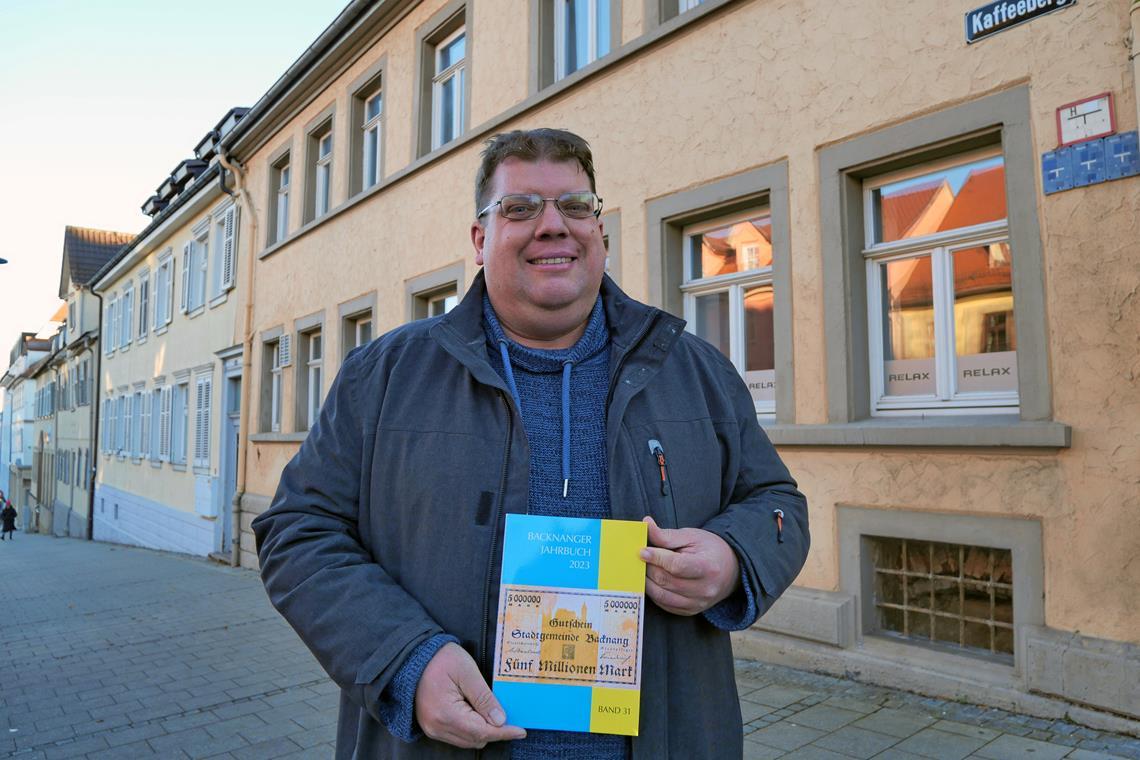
(8, 515)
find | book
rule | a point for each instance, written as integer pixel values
(569, 628)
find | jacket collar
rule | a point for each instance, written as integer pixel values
(460, 331)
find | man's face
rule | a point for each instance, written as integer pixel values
(543, 274)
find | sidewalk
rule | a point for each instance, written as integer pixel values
(116, 652)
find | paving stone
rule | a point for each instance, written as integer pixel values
(77, 748)
(826, 718)
(977, 732)
(942, 745)
(756, 751)
(856, 742)
(750, 711)
(812, 752)
(1084, 754)
(273, 748)
(785, 736)
(897, 754)
(1009, 747)
(777, 696)
(858, 704)
(895, 722)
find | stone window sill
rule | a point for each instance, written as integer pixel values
(959, 430)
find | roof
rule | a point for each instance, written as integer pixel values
(85, 251)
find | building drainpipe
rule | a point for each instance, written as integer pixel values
(234, 167)
(95, 420)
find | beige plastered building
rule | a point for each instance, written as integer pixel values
(944, 355)
(169, 376)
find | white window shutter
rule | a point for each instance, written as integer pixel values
(285, 351)
(164, 432)
(229, 246)
(186, 277)
(168, 312)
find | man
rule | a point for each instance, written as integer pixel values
(546, 390)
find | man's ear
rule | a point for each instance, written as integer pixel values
(478, 237)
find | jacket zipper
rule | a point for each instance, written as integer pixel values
(658, 452)
(486, 658)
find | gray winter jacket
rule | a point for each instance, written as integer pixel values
(387, 525)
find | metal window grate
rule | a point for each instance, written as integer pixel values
(948, 594)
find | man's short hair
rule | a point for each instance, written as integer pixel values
(530, 145)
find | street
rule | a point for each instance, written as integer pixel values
(117, 652)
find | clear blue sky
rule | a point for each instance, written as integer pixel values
(100, 100)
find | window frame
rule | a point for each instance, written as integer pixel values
(279, 185)
(422, 289)
(439, 81)
(369, 84)
(1001, 119)
(734, 284)
(442, 25)
(144, 305)
(305, 329)
(317, 130)
(669, 215)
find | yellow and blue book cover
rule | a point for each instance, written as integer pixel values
(571, 610)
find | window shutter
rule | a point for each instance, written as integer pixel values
(168, 310)
(229, 246)
(186, 277)
(160, 297)
(285, 351)
(106, 329)
(128, 316)
(144, 425)
(164, 434)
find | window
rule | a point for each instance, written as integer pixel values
(687, 5)
(203, 393)
(435, 293)
(724, 262)
(324, 173)
(144, 304)
(857, 253)
(225, 249)
(729, 296)
(582, 33)
(195, 257)
(179, 422)
(71, 316)
(372, 143)
(361, 331)
(126, 304)
(84, 387)
(950, 594)
(441, 303)
(277, 356)
(940, 287)
(447, 88)
(280, 176)
(164, 291)
(311, 377)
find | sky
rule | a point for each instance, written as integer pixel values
(99, 101)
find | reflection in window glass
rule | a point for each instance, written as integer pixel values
(712, 320)
(985, 336)
(759, 347)
(737, 247)
(948, 199)
(908, 326)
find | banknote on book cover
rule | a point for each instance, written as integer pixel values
(569, 628)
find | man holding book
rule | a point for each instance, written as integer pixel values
(546, 391)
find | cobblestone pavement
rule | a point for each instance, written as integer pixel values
(116, 652)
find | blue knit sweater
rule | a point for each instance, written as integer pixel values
(546, 394)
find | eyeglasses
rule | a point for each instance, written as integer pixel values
(525, 206)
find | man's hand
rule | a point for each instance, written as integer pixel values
(688, 570)
(454, 705)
